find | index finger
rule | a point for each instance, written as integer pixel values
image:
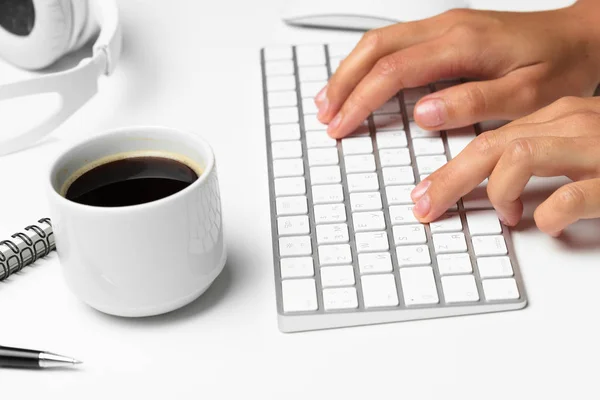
(373, 46)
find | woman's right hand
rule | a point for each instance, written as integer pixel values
(523, 61)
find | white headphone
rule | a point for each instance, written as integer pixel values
(36, 33)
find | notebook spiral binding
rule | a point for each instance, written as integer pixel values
(24, 248)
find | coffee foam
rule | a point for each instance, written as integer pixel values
(125, 155)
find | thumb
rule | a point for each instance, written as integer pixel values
(504, 98)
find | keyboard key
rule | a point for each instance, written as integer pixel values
(368, 201)
(282, 99)
(310, 55)
(283, 115)
(311, 123)
(289, 186)
(278, 83)
(399, 194)
(494, 267)
(290, 149)
(477, 198)
(340, 49)
(398, 176)
(335, 254)
(296, 267)
(489, 245)
(500, 289)
(458, 139)
(337, 276)
(340, 299)
(371, 241)
(330, 213)
(428, 146)
(446, 223)
(285, 67)
(317, 139)
(284, 132)
(449, 242)
(309, 107)
(324, 175)
(278, 53)
(296, 225)
(289, 167)
(313, 74)
(394, 157)
(299, 295)
(360, 163)
(409, 234)
(291, 246)
(457, 263)
(413, 255)
(417, 132)
(311, 89)
(413, 95)
(388, 122)
(429, 164)
(403, 214)
(372, 263)
(291, 205)
(392, 106)
(379, 290)
(363, 182)
(483, 222)
(390, 140)
(332, 233)
(327, 194)
(418, 286)
(327, 156)
(357, 145)
(460, 289)
(368, 221)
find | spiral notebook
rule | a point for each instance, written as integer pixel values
(24, 248)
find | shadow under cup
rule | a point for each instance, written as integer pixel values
(145, 259)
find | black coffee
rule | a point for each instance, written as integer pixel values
(131, 181)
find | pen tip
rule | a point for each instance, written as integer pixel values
(77, 362)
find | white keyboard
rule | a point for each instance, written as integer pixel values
(347, 248)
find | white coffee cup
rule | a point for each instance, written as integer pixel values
(145, 259)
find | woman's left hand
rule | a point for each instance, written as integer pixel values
(561, 139)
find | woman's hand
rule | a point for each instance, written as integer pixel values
(561, 139)
(523, 61)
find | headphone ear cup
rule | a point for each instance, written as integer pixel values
(89, 26)
(48, 41)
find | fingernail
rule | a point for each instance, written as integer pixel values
(420, 190)
(431, 113)
(321, 96)
(422, 207)
(335, 123)
(323, 108)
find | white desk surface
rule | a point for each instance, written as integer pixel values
(193, 66)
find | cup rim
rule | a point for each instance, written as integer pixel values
(210, 165)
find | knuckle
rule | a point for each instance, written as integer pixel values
(458, 14)
(463, 32)
(389, 66)
(567, 103)
(520, 151)
(587, 117)
(529, 94)
(476, 101)
(570, 198)
(372, 39)
(485, 142)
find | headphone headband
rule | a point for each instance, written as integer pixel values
(76, 85)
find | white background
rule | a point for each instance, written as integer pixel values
(195, 66)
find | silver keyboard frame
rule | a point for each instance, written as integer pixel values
(321, 319)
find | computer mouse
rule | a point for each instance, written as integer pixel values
(362, 15)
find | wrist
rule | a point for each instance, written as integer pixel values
(583, 20)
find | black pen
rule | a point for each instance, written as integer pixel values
(11, 357)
